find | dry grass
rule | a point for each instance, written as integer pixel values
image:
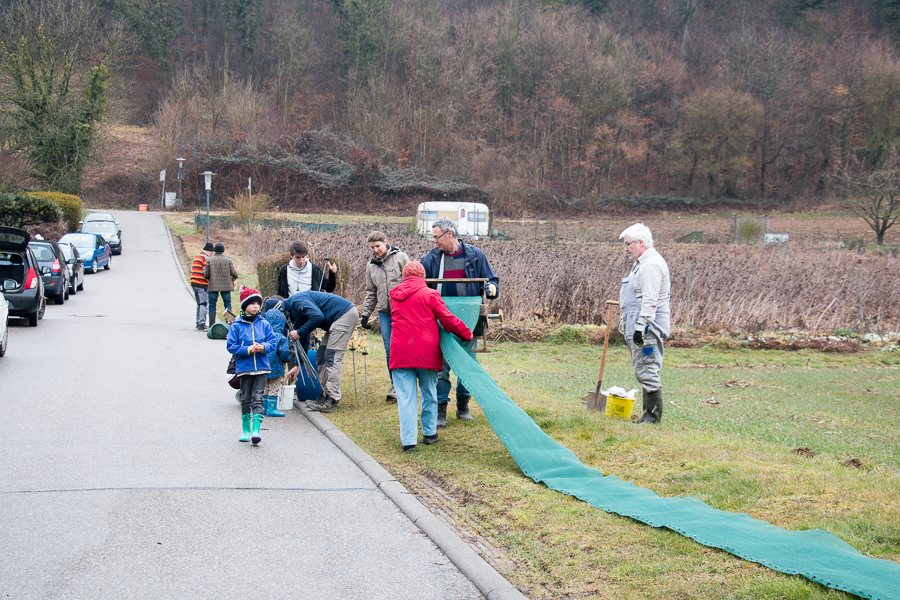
(757, 287)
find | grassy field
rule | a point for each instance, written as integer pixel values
(799, 439)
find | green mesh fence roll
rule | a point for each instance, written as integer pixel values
(815, 554)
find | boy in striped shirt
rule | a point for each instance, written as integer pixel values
(199, 284)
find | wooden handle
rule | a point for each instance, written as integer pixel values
(610, 303)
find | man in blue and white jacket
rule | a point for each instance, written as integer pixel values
(338, 318)
(454, 259)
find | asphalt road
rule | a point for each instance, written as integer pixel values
(121, 475)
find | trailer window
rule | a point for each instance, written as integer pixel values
(428, 215)
(477, 217)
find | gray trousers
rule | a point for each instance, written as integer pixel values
(330, 355)
(647, 361)
(252, 388)
(202, 298)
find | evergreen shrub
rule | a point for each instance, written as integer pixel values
(70, 205)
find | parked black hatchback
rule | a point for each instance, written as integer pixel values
(20, 276)
(56, 282)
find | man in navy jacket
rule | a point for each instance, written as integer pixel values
(338, 318)
(454, 259)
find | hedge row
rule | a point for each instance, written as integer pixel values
(70, 205)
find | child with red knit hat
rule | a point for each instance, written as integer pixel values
(250, 339)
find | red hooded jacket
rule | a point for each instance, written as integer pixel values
(415, 338)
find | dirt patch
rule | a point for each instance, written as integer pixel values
(805, 452)
(853, 462)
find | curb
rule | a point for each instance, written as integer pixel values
(187, 287)
(488, 581)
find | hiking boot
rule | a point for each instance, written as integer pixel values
(462, 409)
(324, 405)
(430, 439)
(201, 327)
(409, 449)
(442, 414)
(391, 395)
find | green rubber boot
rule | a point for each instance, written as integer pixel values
(246, 421)
(254, 434)
(653, 408)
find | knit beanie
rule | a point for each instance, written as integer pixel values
(210, 248)
(220, 247)
(249, 296)
(414, 269)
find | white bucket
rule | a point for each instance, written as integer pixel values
(286, 398)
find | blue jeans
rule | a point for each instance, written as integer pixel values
(202, 298)
(443, 384)
(214, 297)
(408, 403)
(384, 320)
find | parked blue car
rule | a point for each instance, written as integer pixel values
(92, 248)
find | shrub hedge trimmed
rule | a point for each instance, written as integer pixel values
(70, 205)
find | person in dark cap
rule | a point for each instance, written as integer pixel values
(199, 283)
(221, 273)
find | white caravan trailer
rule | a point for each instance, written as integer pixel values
(472, 219)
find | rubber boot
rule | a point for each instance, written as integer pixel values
(212, 319)
(272, 407)
(442, 414)
(653, 408)
(246, 421)
(644, 409)
(462, 409)
(254, 432)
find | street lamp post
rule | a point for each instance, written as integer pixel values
(207, 177)
(180, 164)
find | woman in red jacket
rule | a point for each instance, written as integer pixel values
(416, 352)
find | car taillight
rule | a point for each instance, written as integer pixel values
(31, 280)
(55, 268)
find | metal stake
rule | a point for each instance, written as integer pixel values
(366, 376)
(353, 356)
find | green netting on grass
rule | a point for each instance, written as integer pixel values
(815, 554)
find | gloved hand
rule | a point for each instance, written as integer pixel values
(364, 321)
(638, 337)
(492, 291)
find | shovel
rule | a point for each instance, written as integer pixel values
(596, 400)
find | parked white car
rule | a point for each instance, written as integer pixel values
(4, 324)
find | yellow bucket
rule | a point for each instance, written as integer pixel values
(619, 407)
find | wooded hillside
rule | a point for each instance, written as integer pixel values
(544, 104)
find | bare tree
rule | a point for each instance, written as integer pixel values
(875, 195)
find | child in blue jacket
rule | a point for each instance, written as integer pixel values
(279, 355)
(250, 339)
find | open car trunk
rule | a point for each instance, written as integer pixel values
(12, 266)
(13, 246)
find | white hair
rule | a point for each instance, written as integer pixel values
(638, 233)
(445, 225)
